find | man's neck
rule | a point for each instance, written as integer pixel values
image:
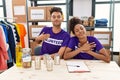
(56, 29)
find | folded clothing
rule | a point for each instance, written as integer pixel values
(100, 24)
(103, 20)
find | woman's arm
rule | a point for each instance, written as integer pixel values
(70, 54)
(102, 55)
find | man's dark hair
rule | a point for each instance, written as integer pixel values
(56, 9)
(72, 22)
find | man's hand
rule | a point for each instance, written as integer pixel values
(42, 37)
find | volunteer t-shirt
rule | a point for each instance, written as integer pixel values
(73, 44)
(54, 42)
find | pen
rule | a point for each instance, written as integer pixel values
(74, 65)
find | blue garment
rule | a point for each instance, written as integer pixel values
(5, 31)
(15, 32)
(73, 44)
(7, 41)
(103, 20)
(10, 56)
(101, 25)
(11, 42)
(55, 41)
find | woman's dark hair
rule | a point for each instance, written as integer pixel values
(72, 22)
(56, 9)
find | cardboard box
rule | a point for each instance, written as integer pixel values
(48, 13)
(19, 10)
(18, 2)
(108, 51)
(34, 30)
(33, 45)
(105, 37)
(37, 14)
(90, 33)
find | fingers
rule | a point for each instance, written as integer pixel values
(43, 33)
(87, 46)
(43, 36)
(47, 35)
(92, 45)
(79, 45)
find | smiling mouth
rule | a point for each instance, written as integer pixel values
(81, 34)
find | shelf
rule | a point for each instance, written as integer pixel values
(1, 5)
(103, 27)
(51, 4)
(43, 0)
(89, 28)
(63, 4)
(108, 47)
(40, 21)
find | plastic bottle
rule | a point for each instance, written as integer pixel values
(18, 55)
(26, 58)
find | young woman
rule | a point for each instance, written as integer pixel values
(82, 46)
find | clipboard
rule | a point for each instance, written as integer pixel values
(77, 67)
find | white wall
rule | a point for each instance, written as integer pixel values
(82, 8)
(10, 14)
(9, 9)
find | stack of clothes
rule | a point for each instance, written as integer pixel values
(101, 22)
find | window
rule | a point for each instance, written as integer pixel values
(102, 0)
(116, 43)
(1, 2)
(1, 12)
(1, 9)
(110, 9)
(100, 13)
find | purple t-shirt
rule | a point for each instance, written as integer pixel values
(73, 44)
(54, 42)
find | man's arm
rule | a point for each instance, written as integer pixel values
(42, 37)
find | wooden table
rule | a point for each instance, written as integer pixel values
(99, 70)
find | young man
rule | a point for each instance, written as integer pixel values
(54, 38)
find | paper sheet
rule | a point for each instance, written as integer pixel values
(19, 10)
(77, 67)
(37, 14)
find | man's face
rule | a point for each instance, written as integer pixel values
(56, 19)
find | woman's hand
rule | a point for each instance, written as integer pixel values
(88, 46)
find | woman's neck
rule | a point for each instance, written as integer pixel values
(83, 40)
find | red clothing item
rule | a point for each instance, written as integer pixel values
(3, 53)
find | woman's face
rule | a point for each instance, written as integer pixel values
(80, 31)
